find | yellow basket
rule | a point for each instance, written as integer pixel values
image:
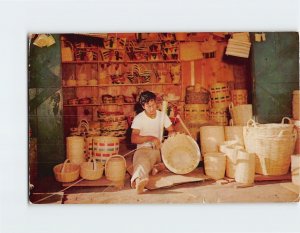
(91, 170)
(115, 168)
(66, 172)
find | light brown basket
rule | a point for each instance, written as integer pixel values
(115, 168)
(295, 169)
(297, 146)
(211, 137)
(239, 96)
(273, 153)
(196, 112)
(220, 95)
(234, 133)
(76, 149)
(180, 154)
(219, 116)
(91, 170)
(214, 165)
(231, 153)
(245, 167)
(240, 114)
(66, 172)
(296, 103)
(194, 96)
(105, 147)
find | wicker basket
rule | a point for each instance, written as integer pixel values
(76, 149)
(245, 167)
(180, 154)
(297, 146)
(66, 172)
(273, 153)
(219, 116)
(220, 95)
(105, 147)
(231, 152)
(214, 165)
(196, 112)
(239, 96)
(196, 97)
(91, 170)
(234, 133)
(115, 168)
(296, 103)
(240, 114)
(211, 137)
(295, 169)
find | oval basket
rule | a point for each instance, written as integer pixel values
(91, 170)
(66, 172)
(180, 154)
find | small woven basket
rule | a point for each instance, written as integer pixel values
(66, 172)
(115, 169)
(91, 170)
(214, 165)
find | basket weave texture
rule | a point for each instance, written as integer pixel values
(66, 172)
(180, 154)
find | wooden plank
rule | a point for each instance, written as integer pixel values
(272, 178)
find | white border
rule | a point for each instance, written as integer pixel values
(17, 18)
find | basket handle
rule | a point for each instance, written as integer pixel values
(63, 167)
(115, 156)
(286, 118)
(251, 123)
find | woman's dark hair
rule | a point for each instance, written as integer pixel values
(146, 96)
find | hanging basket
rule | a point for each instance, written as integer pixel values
(180, 154)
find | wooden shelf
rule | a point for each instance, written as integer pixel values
(100, 104)
(105, 62)
(125, 84)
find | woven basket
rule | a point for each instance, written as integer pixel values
(297, 146)
(239, 96)
(211, 137)
(245, 167)
(115, 168)
(240, 114)
(234, 133)
(194, 96)
(296, 103)
(91, 170)
(220, 95)
(105, 147)
(180, 154)
(219, 116)
(231, 152)
(76, 149)
(66, 172)
(273, 153)
(214, 165)
(295, 169)
(196, 112)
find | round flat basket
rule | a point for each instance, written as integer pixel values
(180, 154)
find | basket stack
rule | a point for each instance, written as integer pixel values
(273, 145)
(112, 124)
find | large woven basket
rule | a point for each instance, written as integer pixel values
(273, 153)
(105, 147)
(91, 170)
(219, 116)
(180, 154)
(220, 95)
(66, 172)
(196, 112)
(194, 96)
(214, 165)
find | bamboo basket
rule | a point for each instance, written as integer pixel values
(214, 165)
(230, 152)
(220, 95)
(115, 169)
(296, 103)
(91, 170)
(76, 149)
(273, 153)
(245, 167)
(239, 96)
(211, 137)
(105, 147)
(297, 146)
(234, 133)
(240, 114)
(196, 112)
(195, 96)
(66, 172)
(295, 169)
(219, 116)
(180, 154)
